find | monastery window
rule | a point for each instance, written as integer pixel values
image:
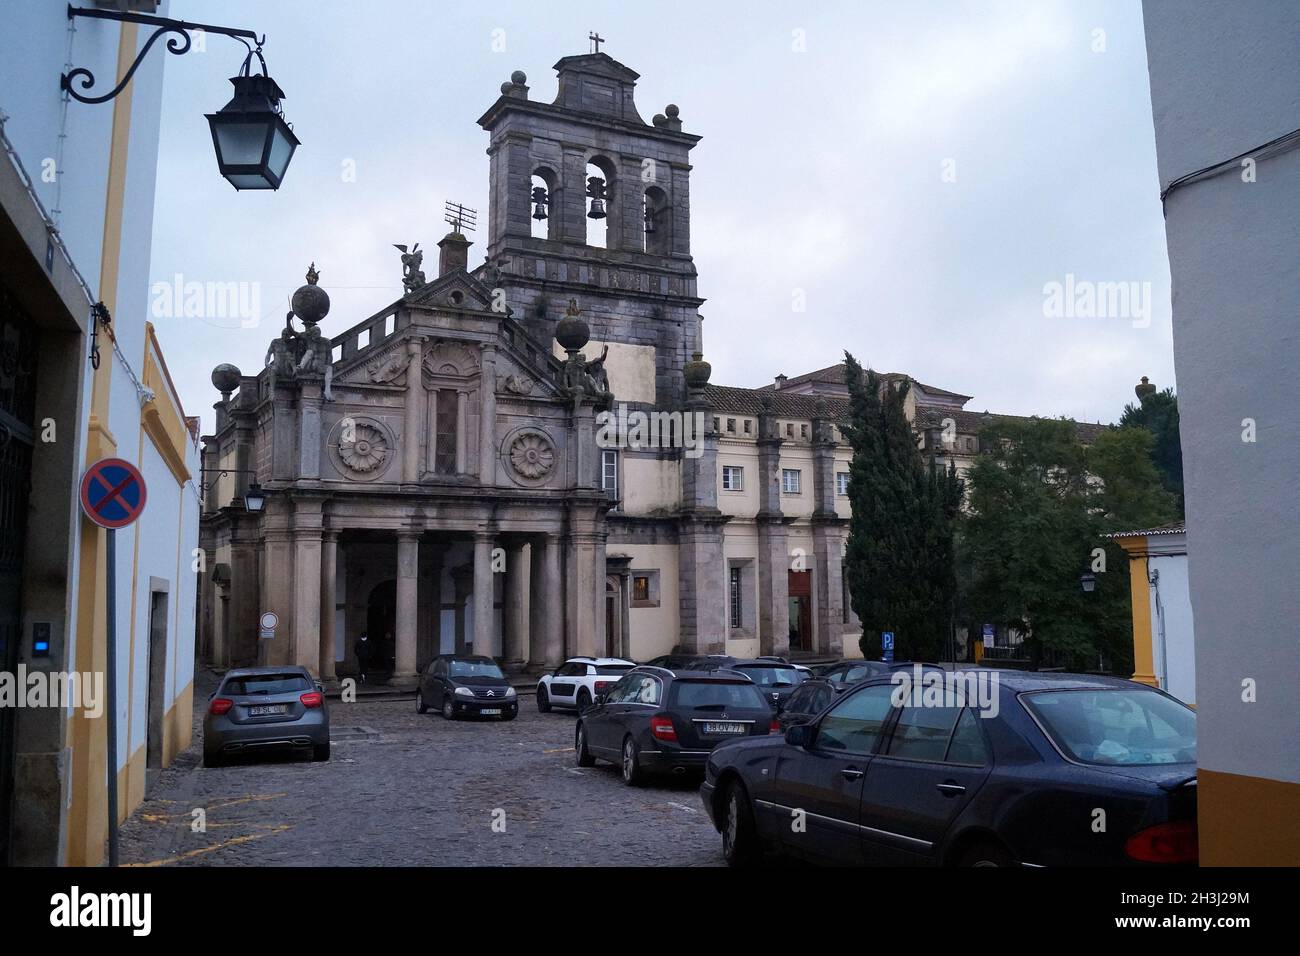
(645, 589)
(731, 426)
(748, 423)
(803, 431)
(733, 478)
(737, 594)
(444, 439)
(791, 481)
(715, 424)
(842, 483)
(789, 429)
(609, 473)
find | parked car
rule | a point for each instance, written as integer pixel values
(847, 673)
(776, 680)
(804, 672)
(691, 662)
(266, 708)
(466, 685)
(808, 700)
(576, 682)
(654, 720)
(881, 782)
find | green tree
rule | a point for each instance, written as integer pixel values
(1040, 502)
(1157, 412)
(899, 556)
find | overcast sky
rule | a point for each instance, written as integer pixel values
(919, 172)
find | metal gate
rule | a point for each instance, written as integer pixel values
(17, 423)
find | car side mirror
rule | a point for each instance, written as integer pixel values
(320, 688)
(600, 698)
(799, 735)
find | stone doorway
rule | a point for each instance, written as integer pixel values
(381, 624)
(801, 630)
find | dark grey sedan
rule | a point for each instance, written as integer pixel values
(266, 708)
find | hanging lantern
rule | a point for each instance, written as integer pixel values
(254, 144)
(596, 190)
(540, 202)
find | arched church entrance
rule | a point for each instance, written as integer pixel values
(381, 623)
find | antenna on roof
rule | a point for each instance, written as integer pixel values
(460, 217)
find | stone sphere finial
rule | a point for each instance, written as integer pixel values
(571, 331)
(659, 119)
(225, 379)
(672, 110)
(311, 303)
(519, 77)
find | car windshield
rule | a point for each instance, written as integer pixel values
(472, 668)
(769, 676)
(607, 669)
(260, 685)
(717, 695)
(1117, 727)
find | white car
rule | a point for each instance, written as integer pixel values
(575, 683)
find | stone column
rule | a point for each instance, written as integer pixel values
(773, 541)
(306, 625)
(487, 441)
(328, 600)
(462, 427)
(701, 566)
(583, 589)
(277, 593)
(546, 604)
(414, 406)
(516, 607)
(828, 539)
(408, 606)
(484, 598)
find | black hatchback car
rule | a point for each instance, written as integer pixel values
(654, 720)
(776, 679)
(808, 700)
(1021, 779)
(466, 685)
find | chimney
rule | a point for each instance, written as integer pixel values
(453, 253)
(780, 381)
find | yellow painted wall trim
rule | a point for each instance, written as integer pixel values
(1247, 821)
(162, 416)
(1144, 658)
(151, 419)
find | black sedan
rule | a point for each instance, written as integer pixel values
(654, 720)
(808, 700)
(777, 680)
(464, 685)
(691, 662)
(1046, 770)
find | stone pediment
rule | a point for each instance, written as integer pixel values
(457, 290)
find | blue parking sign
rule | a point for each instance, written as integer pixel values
(887, 645)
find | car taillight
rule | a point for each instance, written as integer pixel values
(661, 728)
(312, 698)
(602, 684)
(774, 727)
(1164, 843)
(220, 706)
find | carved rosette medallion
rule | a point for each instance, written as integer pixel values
(530, 455)
(361, 448)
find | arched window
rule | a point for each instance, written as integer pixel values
(601, 202)
(541, 203)
(658, 224)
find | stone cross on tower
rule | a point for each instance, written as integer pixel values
(596, 40)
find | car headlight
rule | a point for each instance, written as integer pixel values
(510, 692)
(464, 692)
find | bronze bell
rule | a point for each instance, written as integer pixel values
(540, 202)
(597, 210)
(596, 190)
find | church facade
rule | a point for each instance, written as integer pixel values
(470, 469)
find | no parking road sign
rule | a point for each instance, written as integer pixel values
(112, 493)
(112, 496)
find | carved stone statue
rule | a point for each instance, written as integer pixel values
(412, 275)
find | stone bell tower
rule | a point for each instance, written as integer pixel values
(638, 292)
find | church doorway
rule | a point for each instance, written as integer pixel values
(801, 636)
(381, 624)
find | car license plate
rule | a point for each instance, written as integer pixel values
(490, 711)
(264, 710)
(723, 727)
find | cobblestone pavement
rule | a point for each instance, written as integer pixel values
(404, 789)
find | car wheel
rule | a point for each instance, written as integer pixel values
(320, 752)
(633, 775)
(584, 700)
(986, 854)
(448, 712)
(420, 706)
(739, 838)
(582, 756)
(543, 700)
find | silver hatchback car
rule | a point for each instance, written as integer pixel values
(258, 708)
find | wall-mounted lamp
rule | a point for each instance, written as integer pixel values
(253, 142)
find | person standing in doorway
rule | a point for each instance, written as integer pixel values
(363, 649)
